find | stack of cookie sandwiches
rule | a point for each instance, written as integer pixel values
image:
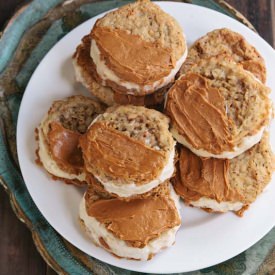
(125, 155)
(131, 55)
(130, 207)
(220, 110)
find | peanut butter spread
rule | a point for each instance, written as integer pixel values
(204, 177)
(198, 113)
(63, 144)
(106, 94)
(136, 221)
(131, 58)
(111, 153)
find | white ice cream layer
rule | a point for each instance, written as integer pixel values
(217, 206)
(107, 74)
(49, 164)
(78, 74)
(247, 143)
(130, 189)
(119, 247)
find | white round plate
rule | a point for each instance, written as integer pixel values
(203, 239)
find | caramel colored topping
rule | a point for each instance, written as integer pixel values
(119, 156)
(131, 58)
(198, 113)
(204, 177)
(136, 221)
(82, 55)
(63, 145)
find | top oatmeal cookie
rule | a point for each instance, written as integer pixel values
(225, 41)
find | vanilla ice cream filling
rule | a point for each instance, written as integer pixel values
(96, 230)
(130, 189)
(247, 143)
(223, 206)
(49, 164)
(79, 74)
(107, 74)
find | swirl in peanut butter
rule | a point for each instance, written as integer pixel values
(198, 113)
(136, 221)
(203, 177)
(63, 144)
(119, 156)
(131, 58)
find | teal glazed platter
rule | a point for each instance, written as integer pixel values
(28, 37)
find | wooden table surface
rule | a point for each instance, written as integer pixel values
(18, 255)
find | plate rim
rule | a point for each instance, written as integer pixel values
(17, 144)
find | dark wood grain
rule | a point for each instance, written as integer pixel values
(7, 9)
(261, 14)
(50, 271)
(18, 255)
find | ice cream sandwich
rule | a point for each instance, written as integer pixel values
(131, 55)
(135, 229)
(218, 109)
(85, 73)
(58, 135)
(219, 185)
(129, 150)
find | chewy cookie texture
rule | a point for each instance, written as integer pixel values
(129, 149)
(225, 41)
(217, 108)
(58, 135)
(135, 229)
(130, 208)
(131, 55)
(225, 185)
(85, 73)
(142, 46)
